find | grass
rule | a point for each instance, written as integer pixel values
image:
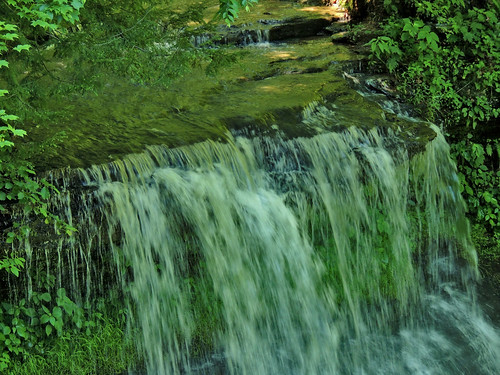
(108, 350)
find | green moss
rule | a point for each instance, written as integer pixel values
(267, 86)
(121, 118)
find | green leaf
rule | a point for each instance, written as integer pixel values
(22, 47)
(57, 312)
(76, 4)
(9, 117)
(58, 325)
(48, 330)
(44, 193)
(31, 312)
(8, 36)
(9, 27)
(4, 63)
(78, 323)
(45, 297)
(21, 331)
(61, 292)
(42, 24)
(489, 150)
(6, 144)
(419, 23)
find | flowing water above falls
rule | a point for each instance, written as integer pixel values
(329, 255)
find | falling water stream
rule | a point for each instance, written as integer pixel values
(336, 254)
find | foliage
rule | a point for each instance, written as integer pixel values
(446, 58)
(12, 265)
(148, 43)
(480, 178)
(47, 332)
(106, 351)
(488, 248)
(25, 326)
(49, 15)
(229, 9)
(17, 183)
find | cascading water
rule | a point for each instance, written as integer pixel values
(336, 254)
(242, 37)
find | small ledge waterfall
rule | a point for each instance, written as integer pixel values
(335, 254)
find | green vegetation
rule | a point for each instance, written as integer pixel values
(46, 333)
(107, 350)
(17, 184)
(446, 59)
(229, 9)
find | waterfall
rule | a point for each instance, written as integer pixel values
(241, 37)
(256, 36)
(336, 254)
